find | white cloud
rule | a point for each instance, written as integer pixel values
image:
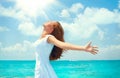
(101, 16)
(26, 10)
(77, 55)
(118, 35)
(75, 8)
(3, 28)
(33, 7)
(101, 34)
(78, 29)
(23, 50)
(110, 52)
(88, 22)
(6, 11)
(95, 17)
(28, 28)
(13, 13)
(65, 13)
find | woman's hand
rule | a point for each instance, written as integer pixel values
(91, 49)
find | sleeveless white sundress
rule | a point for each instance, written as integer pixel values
(43, 68)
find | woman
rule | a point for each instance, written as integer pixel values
(50, 47)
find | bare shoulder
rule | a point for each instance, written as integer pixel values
(55, 41)
(51, 39)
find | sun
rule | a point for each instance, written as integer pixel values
(32, 7)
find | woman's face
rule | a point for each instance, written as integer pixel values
(48, 27)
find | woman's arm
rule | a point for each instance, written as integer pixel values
(68, 46)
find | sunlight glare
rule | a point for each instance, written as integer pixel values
(32, 7)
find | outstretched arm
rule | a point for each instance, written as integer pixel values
(64, 45)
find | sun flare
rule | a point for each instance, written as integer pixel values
(32, 7)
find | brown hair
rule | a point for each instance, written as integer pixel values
(58, 33)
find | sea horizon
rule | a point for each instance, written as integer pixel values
(65, 60)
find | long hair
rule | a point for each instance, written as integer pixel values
(58, 33)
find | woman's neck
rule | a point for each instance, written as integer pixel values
(44, 34)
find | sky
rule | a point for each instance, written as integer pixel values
(83, 21)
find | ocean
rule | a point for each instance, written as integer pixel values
(64, 69)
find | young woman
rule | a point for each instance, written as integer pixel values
(50, 47)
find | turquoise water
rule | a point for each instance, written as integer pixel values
(64, 69)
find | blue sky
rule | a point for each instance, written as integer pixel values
(83, 20)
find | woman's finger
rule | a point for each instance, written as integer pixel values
(94, 47)
(89, 43)
(95, 50)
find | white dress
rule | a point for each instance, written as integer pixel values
(43, 68)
